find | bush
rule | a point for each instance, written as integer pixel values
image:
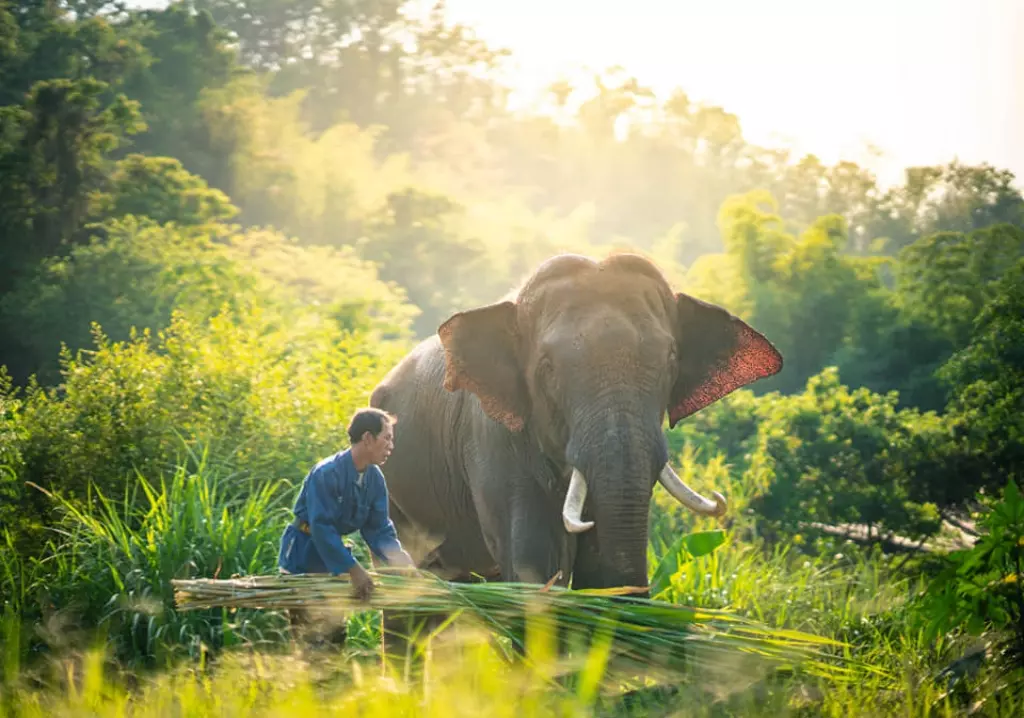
(12, 438)
(836, 455)
(135, 273)
(980, 591)
(262, 399)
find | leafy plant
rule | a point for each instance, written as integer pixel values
(980, 591)
(113, 566)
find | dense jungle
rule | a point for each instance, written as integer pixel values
(223, 221)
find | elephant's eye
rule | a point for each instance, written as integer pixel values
(544, 368)
(546, 376)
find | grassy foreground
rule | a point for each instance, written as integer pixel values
(773, 631)
(888, 668)
(464, 677)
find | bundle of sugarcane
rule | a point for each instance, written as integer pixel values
(638, 627)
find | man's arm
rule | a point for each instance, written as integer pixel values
(379, 530)
(323, 504)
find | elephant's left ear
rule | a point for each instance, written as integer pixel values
(480, 356)
(717, 354)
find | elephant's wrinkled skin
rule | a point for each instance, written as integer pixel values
(575, 373)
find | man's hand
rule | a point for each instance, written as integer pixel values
(361, 582)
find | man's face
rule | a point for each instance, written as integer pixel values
(381, 446)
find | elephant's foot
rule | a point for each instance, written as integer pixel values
(406, 643)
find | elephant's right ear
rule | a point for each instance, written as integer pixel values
(480, 355)
(718, 353)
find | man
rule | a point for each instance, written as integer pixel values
(343, 494)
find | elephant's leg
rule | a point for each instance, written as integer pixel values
(538, 549)
(408, 638)
(523, 527)
(404, 645)
(401, 652)
(520, 517)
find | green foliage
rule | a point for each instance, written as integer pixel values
(272, 34)
(885, 349)
(333, 283)
(412, 241)
(12, 438)
(113, 566)
(987, 380)
(729, 426)
(683, 550)
(53, 155)
(319, 188)
(835, 455)
(160, 189)
(267, 400)
(981, 590)
(43, 41)
(950, 198)
(802, 292)
(945, 279)
(188, 55)
(133, 275)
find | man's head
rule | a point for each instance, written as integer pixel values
(372, 432)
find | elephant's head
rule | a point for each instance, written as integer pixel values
(588, 358)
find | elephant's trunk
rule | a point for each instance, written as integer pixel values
(616, 458)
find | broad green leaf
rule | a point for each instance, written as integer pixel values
(684, 549)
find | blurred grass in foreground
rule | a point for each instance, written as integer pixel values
(464, 677)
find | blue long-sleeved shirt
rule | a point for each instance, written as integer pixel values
(334, 502)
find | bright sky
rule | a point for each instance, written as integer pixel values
(923, 80)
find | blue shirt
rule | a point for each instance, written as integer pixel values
(334, 501)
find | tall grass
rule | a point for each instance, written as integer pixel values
(110, 564)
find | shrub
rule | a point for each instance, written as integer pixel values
(980, 591)
(263, 399)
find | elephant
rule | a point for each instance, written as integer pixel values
(529, 432)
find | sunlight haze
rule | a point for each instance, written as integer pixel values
(808, 74)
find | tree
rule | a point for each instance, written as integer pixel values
(54, 153)
(188, 56)
(947, 198)
(416, 243)
(43, 40)
(161, 189)
(886, 350)
(802, 291)
(987, 386)
(944, 279)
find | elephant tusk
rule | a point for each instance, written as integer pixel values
(572, 509)
(690, 498)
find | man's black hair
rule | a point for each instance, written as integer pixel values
(368, 419)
